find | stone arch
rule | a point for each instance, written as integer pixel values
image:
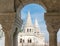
(24, 3)
(20, 9)
(51, 5)
(48, 5)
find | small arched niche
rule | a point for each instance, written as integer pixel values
(2, 36)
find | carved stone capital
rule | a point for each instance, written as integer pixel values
(52, 29)
(7, 21)
(52, 21)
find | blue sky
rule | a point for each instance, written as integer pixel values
(37, 11)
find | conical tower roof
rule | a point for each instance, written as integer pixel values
(29, 21)
(36, 25)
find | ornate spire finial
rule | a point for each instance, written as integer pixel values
(29, 22)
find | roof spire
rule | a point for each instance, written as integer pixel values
(29, 22)
(36, 23)
(36, 26)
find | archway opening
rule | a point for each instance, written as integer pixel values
(58, 38)
(36, 12)
(2, 36)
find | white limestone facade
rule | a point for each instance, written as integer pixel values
(31, 35)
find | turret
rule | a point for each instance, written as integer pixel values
(29, 26)
(36, 26)
(28, 22)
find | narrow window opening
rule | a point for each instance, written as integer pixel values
(20, 40)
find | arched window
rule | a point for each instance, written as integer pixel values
(29, 41)
(21, 40)
(28, 30)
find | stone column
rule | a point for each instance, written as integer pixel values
(15, 38)
(8, 39)
(53, 24)
(52, 35)
(52, 39)
(7, 21)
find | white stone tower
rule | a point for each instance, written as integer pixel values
(28, 22)
(29, 26)
(31, 35)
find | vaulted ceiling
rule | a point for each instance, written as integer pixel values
(51, 5)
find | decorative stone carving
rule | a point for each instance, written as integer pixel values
(53, 25)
